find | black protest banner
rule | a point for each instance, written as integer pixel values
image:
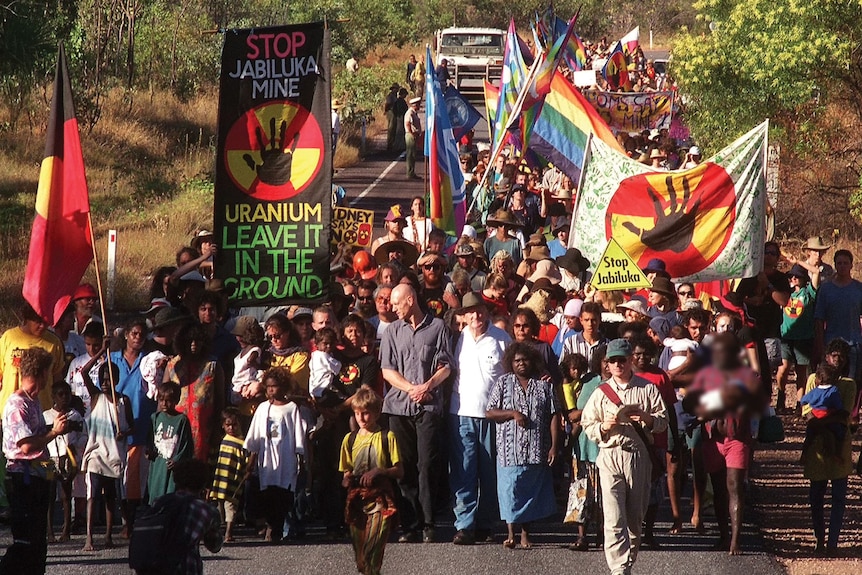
(274, 165)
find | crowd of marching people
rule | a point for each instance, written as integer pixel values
(483, 379)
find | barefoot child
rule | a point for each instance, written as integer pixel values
(231, 470)
(66, 451)
(105, 455)
(370, 463)
(170, 441)
(276, 443)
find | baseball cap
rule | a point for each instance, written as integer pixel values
(619, 348)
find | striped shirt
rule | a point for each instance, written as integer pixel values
(230, 469)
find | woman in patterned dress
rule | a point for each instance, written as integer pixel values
(527, 413)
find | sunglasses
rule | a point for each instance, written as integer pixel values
(365, 298)
(430, 267)
(686, 293)
(617, 359)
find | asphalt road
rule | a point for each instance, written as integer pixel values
(687, 553)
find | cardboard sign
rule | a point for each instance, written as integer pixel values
(616, 270)
(584, 78)
(352, 226)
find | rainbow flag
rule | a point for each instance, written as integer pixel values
(616, 71)
(516, 67)
(60, 241)
(564, 127)
(575, 53)
(448, 207)
(492, 99)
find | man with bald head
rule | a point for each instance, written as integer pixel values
(415, 359)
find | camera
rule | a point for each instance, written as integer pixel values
(76, 426)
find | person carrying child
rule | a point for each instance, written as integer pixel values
(231, 470)
(104, 459)
(828, 416)
(247, 365)
(170, 442)
(276, 441)
(65, 451)
(323, 383)
(370, 464)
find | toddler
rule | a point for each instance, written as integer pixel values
(231, 470)
(324, 383)
(825, 403)
(680, 346)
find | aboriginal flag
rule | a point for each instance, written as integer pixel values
(60, 241)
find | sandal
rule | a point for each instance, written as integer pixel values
(579, 545)
(509, 543)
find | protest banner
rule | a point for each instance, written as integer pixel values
(274, 165)
(352, 227)
(633, 111)
(616, 270)
(706, 223)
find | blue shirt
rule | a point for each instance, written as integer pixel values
(133, 386)
(556, 249)
(826, 397)
(840, 308)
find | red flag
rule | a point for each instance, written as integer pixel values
(60, 240)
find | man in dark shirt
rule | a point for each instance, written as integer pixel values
(415, 358)
(442, 73)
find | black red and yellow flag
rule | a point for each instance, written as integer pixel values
(60, 241)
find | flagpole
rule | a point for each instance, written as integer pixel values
(513, 115)
(104, 318)
(588, 152)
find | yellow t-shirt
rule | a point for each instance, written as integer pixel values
(12, 344)
(367, 453)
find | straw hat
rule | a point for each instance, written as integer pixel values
(336, 103)
(816, 243)
(504, 218)
(381, 254)
(656, 154)
(635, 305)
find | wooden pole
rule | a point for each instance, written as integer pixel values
(104, 319)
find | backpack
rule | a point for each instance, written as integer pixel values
(387, 458)
(157, 545)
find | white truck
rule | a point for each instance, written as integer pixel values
(472, 54)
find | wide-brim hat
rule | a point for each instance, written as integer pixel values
(816, 243)
(563, 224)
(546, 269)
(538, 253)
(664, 286)
(169, 316)
(635, 305)
(573, 261)
(470, 301)
(336, 103)
(656, 154)
(247, 327)
(200, 237)
(504, 218)
(548, 285)
(411, 254)
(799, 272)
(562, 194)
(656, 266)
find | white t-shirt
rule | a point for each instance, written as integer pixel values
(277, 435)
(76, 381)
(480, 364)
(420, 235)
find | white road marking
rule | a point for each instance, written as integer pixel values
(379, 179)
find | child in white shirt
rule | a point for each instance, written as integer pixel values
(680, 346)
(323, 382)
(246, 365)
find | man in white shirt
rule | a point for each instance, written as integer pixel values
(472, 477)
(412, 132)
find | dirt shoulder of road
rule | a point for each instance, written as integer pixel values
(779, 494)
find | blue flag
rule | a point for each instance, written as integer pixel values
(462, 114)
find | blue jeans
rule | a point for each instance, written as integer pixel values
(816, 497)
(473, 473)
